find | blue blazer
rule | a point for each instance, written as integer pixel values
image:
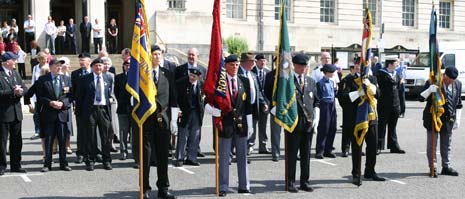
(46, 93)
(85, 94)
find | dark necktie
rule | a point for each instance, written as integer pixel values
(301, 83)
(261, 77)
(450, 100)
(98, 90)
(234, 90)
(84, 72)
(193, 96)
(155, 76)
(56, 86)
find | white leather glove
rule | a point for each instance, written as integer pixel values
(249, 125)
(212, 110)
(174, 120)
(354, 95)
(457, 119)
(316, 117)
(273, 111)
(431, 89)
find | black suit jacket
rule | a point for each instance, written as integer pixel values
(71, 32)
(85, 29)
(10, 105)
(170, 66)
(75, 80)
(166, 98)
(261, 84)
(456, 103)
(85, 94)
(241, 108)
(259, 101)
(184, 89)
(389, 92)
(181, 71)
(122, 95)
(269, 84)
(46, 93)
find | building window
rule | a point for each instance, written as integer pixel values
(373, 6)
(177, 4)
(445, 14)
(235, 9)
(327, 11)
(408, 12)
(287, 6)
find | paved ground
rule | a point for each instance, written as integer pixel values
(407, 173)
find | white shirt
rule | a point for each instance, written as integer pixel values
(97, 34)
(61, 31)
(50, 29)
(6, 70)
(102, 88)
(317, 74)
(35, 77)
(21, 56)
(28, 23)
(252, 85)
(230, 84)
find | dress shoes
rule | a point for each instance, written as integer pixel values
(89, 167)
(2, 172)
(374, 177)
(79, 159)
(291, 188)
(200, 154)
(243, 191)
(319, 156)
(153, 163)
(192, 163)
(345, 154)
(124, 156)
(115, 139)
(449, 171)
(147, 194)
(329, 155)
(135, 166)
(434, 174)
(222, 194)
(306, 187)
(275, 159)
(165, 195)
(98, 158)
(107, 166)
(113, 149)
(248, 161)
(267, 151)
(356, 180)
(397, 151)
(45, 169)
(18, 170)
(65, 168)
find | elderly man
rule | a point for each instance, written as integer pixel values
(12, 89)
(261, 70)
(192, 62)
(29, 30)
(85, 28)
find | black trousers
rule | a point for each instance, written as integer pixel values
(29, 37)
(98, 44)
(81, 130)
(347, 131)
(298, 140)
(371, 139)
(99, 118)
(16, 143)
(85, 44)
(112, 45)
(22, 70)
(402, 98)
(388, 117)
(52, 130)
(156, 140)
(60, 45)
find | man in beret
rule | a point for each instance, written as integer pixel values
(389, 105)
(76, 79)
(191, 104)
(93, 106)
(327, 124)
(451, 89)
(12, 89)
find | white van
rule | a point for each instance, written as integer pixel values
(455, 58)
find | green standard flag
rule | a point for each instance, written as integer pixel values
(284, 98)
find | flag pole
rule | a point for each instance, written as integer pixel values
(217, 180)
(285, 161)
(141, 165)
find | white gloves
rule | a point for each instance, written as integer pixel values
(273, 111)
(457, 119)
(212, 110)
(174, 120)
(354, 95)
(249, 125)
(431, 89)
(316, 117)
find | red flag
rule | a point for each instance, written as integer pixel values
(215, 86)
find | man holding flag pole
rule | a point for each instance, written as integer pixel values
(150, 87)
(443, 109)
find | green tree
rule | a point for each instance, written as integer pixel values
(236, 45)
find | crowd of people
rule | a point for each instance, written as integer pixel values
(102, 106)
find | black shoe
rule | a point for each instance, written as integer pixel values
(356, 180)
(397, 151)
(345, 154)
(115, 139)
(243, 191)
(298, 157)
(45, 169)
(153, 164)
(248, 161)
(18, 170)
(306, 187)
(124, 156)
(136, 166)
(192, 163)
(374, 177)
(178, 163)
(147, 194)
(107, 166)
(65, 168)
(265, 152)
(98, 158)
(449, 171)
(112, 149)
(434, 174)
(291, 188)
(329, 155)
(35, 137)
(363, 153)
(79, 159)
(222, 194)
(275, 159)
(2, 172)
(319, 156)
(165, 195)
(200, 154)
(89, 167)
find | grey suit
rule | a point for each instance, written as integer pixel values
(262, 114)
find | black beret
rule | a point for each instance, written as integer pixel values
(154, 48)
(97, 61)
(300, 59)
(231, 58)
(330, 68)
(84, 55)
(54, 61)
(452, 72)
(9, 55)
(259, 56)
(195, 71)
